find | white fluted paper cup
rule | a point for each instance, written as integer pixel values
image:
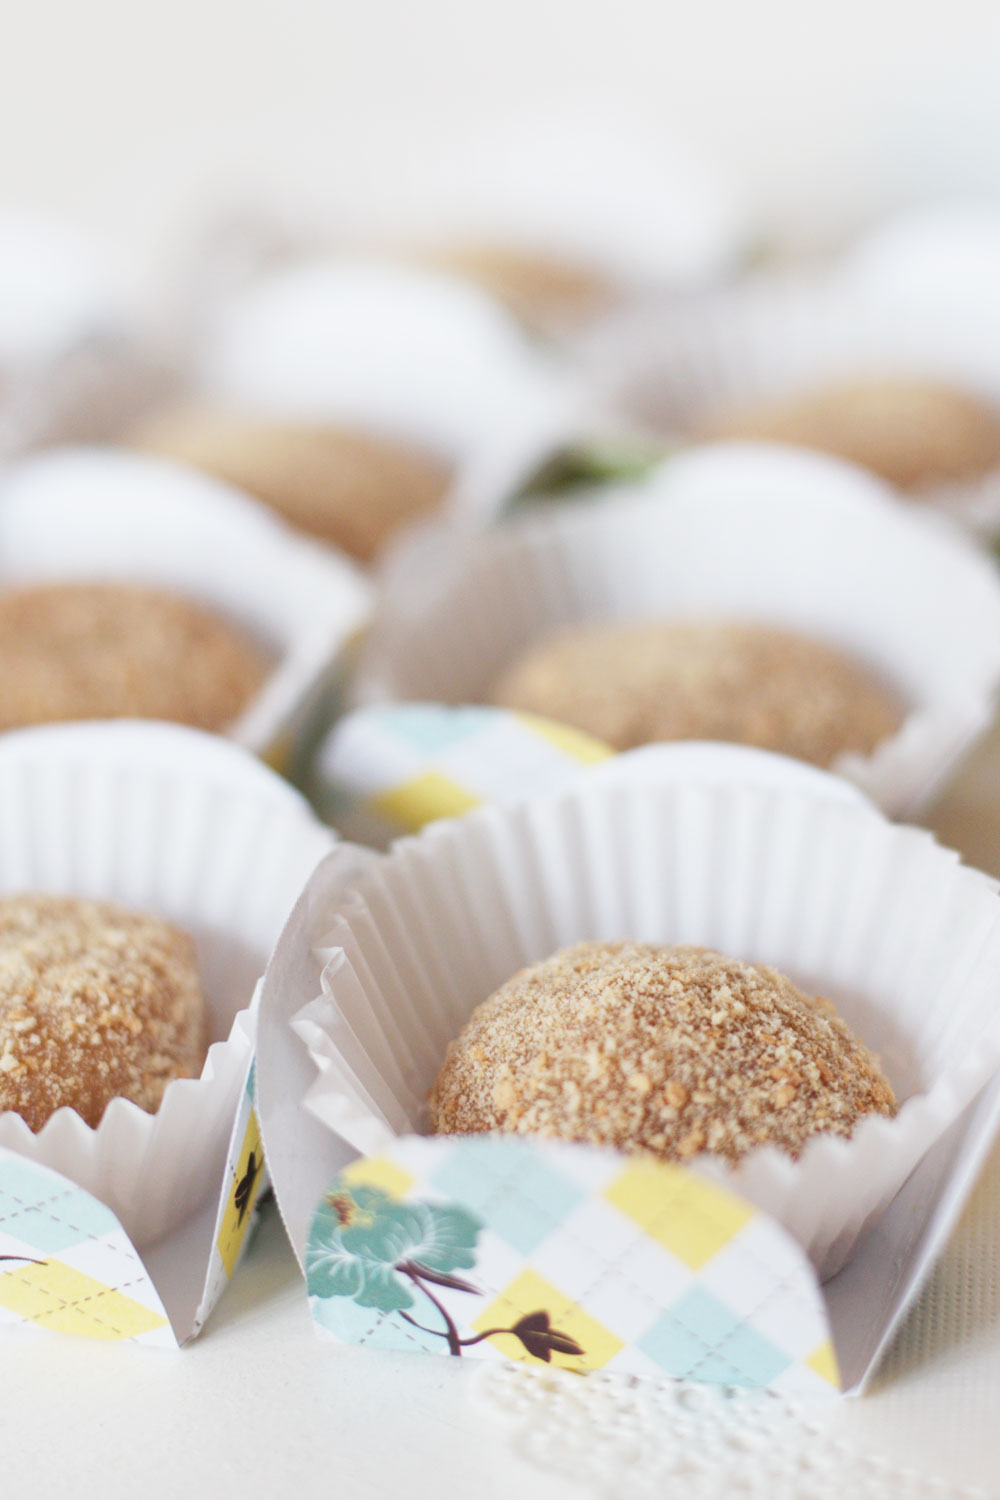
(680, 368)
(728, 532)
(75, 363)
(384, 960)
(101, 515)
(177, 823)
(408, 354)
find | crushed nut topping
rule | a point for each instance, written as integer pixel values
(706, 1052)
(96, 1002)
(109, 651)
(633, 684)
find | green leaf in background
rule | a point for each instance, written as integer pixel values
(579, 472)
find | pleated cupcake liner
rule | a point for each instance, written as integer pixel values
(679, 368)
(95, 514)
(736, 532)
(880, 918)
(172, 822)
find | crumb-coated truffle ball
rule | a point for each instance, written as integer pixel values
(350, 488)
(635, 684)
(914, 433)
(96, 1003)
(111, 651)
(671, 1050)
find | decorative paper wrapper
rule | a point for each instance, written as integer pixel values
(567, 1254)
(731, 532)
(385, 957)
(915, 305)
(390, 769)
(136, 1225)
(97, 514)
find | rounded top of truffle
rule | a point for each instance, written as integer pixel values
(96, 1002)
(350, 487)
(912, 432)
(635, 683)
(109, 650)
(671, 1050)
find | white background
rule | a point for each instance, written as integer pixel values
(121, 113)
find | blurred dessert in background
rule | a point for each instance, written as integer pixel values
(539, 289)
(913, 432)
(350, 488)
(74, 361)
(108, 651)
(563, 216)
(350, 396)
(637, 683)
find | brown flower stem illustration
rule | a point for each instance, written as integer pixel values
(439, 1333)
(533, 1330)
(454, 1342)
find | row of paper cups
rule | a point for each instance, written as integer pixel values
(384, 956)
(734, 532)
(421, 358)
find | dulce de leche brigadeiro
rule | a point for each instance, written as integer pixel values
(351, 488)
(670, 1050)
(111, 651)
(96, 1003)
(638, 683)
(914, 433)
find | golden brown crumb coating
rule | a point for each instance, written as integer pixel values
(671, 1050)
(95, 1003)
(350, 488)
(110, 651)
(914, 433)
(635, 684)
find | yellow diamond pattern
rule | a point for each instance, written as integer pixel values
(233, 1228)
(691, 1218)
(572, 742)
(57, 1296)
(529, 1293)
(378, 1172)
(824, 1361)
(423, 799)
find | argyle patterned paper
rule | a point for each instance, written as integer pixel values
(67, 1265)
(390, 769)
(588, 1259)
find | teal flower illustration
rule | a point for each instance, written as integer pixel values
(367, 1245)
(378, 1250)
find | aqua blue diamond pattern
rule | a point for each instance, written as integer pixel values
(33, 1209)
(430, 728)
(700, 1338)
(352, 1324)
(521, 1197)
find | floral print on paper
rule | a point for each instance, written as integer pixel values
(380, 1251)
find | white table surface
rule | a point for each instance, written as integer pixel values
(260, 1407)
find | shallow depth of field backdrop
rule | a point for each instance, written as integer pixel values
(121, 115)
